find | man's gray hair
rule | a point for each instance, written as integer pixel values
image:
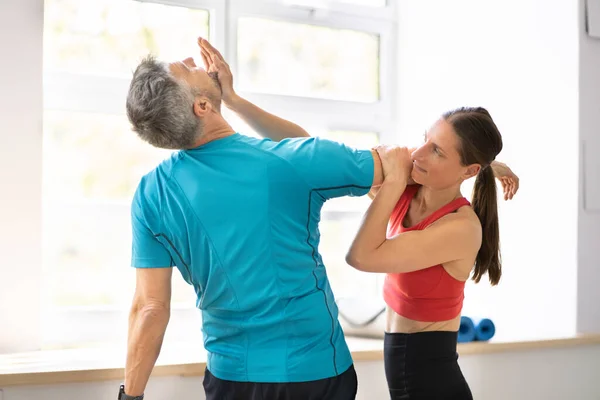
(160, 107)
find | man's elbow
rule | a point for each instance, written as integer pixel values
(155, 311)
(151, 310)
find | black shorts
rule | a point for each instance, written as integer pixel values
(424, 366)
(341, 387)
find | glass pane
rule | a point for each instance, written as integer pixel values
(305, 60)
(356, 139)
(93, 156)
(336, 237)
(370, 3)
(92, 166)
(109, 37)
(339, 227)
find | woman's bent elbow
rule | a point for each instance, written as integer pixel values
(354, 260)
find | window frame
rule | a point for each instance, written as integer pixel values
(375, 117)
(67, 91)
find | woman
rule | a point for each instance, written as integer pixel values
(436, 240)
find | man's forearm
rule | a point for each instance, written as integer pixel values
(147, 326)
(264, 123)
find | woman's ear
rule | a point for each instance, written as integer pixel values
(471, 171)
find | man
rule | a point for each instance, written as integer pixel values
(238, 217)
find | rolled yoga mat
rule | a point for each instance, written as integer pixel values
(466, 331)
(484, 329)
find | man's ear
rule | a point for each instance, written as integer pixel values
(202, 106)
(471, 171)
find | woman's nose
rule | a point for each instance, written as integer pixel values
(416, 154)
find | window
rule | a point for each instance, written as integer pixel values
(92, 162)
(369, 3)
(283, 58)
(108, 37)
(317, 60)
(87, 197)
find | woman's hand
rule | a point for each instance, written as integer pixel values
(214, 63)
(508, 179)
(396, 162)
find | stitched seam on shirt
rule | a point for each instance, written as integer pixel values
(314, 256)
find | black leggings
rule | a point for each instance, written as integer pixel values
(424, 365)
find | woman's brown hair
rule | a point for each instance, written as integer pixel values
(480, 143)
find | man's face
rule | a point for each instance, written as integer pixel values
(198, 78)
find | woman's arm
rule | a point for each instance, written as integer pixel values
(451, 238)
(508, 179)
(371, 236)
(266, 124)
(410, 181)
(396, 164)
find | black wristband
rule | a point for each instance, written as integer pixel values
(124, 396)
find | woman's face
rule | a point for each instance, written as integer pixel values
(437, 163)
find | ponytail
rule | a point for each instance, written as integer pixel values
(484, 203)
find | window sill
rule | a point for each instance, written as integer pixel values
(91, 365)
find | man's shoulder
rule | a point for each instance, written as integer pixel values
(153, 180)
(271, 144)
(285, 149)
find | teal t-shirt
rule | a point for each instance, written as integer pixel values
(239, 218)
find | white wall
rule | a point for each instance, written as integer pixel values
(517, 58)
(588, 315)
(554, 374)
(20, 172)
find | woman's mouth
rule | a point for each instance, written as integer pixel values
(419, 168)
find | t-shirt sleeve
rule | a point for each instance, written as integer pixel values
(332, 168)
(146, 250)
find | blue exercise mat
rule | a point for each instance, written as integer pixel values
(484, 329)
(466, 332)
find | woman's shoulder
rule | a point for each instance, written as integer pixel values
(464, 220)
(467, 212)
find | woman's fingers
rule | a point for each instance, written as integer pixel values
(210, 49)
